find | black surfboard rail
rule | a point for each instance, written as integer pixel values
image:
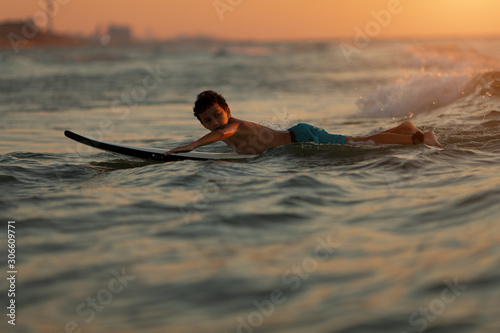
(154, 154)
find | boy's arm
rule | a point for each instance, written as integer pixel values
(211, 137)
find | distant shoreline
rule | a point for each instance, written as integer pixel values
(17, 36)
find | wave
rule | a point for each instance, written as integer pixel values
(486, 84)
(437, 74)
(426, 92)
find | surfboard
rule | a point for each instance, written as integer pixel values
(152, 153)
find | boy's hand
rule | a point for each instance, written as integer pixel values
(181, 149)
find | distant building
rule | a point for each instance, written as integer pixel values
(17, 34)
(119, 34)
(26, 34)
(13, 26)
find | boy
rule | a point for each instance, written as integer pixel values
(246, 137)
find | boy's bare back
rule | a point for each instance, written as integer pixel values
(252, 138)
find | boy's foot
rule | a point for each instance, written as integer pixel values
(430, 139)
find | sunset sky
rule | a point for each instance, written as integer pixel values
(269, 19)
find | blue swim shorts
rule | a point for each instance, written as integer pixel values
(305, 133)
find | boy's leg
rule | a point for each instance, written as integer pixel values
(400, 135)
(385, 139)
(397, 139)
(406, 128)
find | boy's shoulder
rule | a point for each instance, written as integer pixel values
(244, 123)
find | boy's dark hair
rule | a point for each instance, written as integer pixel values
(206, 100)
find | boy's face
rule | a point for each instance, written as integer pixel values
(215, 117)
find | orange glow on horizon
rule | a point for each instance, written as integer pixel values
(268, 20)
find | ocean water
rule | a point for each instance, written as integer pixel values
(305, 238)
